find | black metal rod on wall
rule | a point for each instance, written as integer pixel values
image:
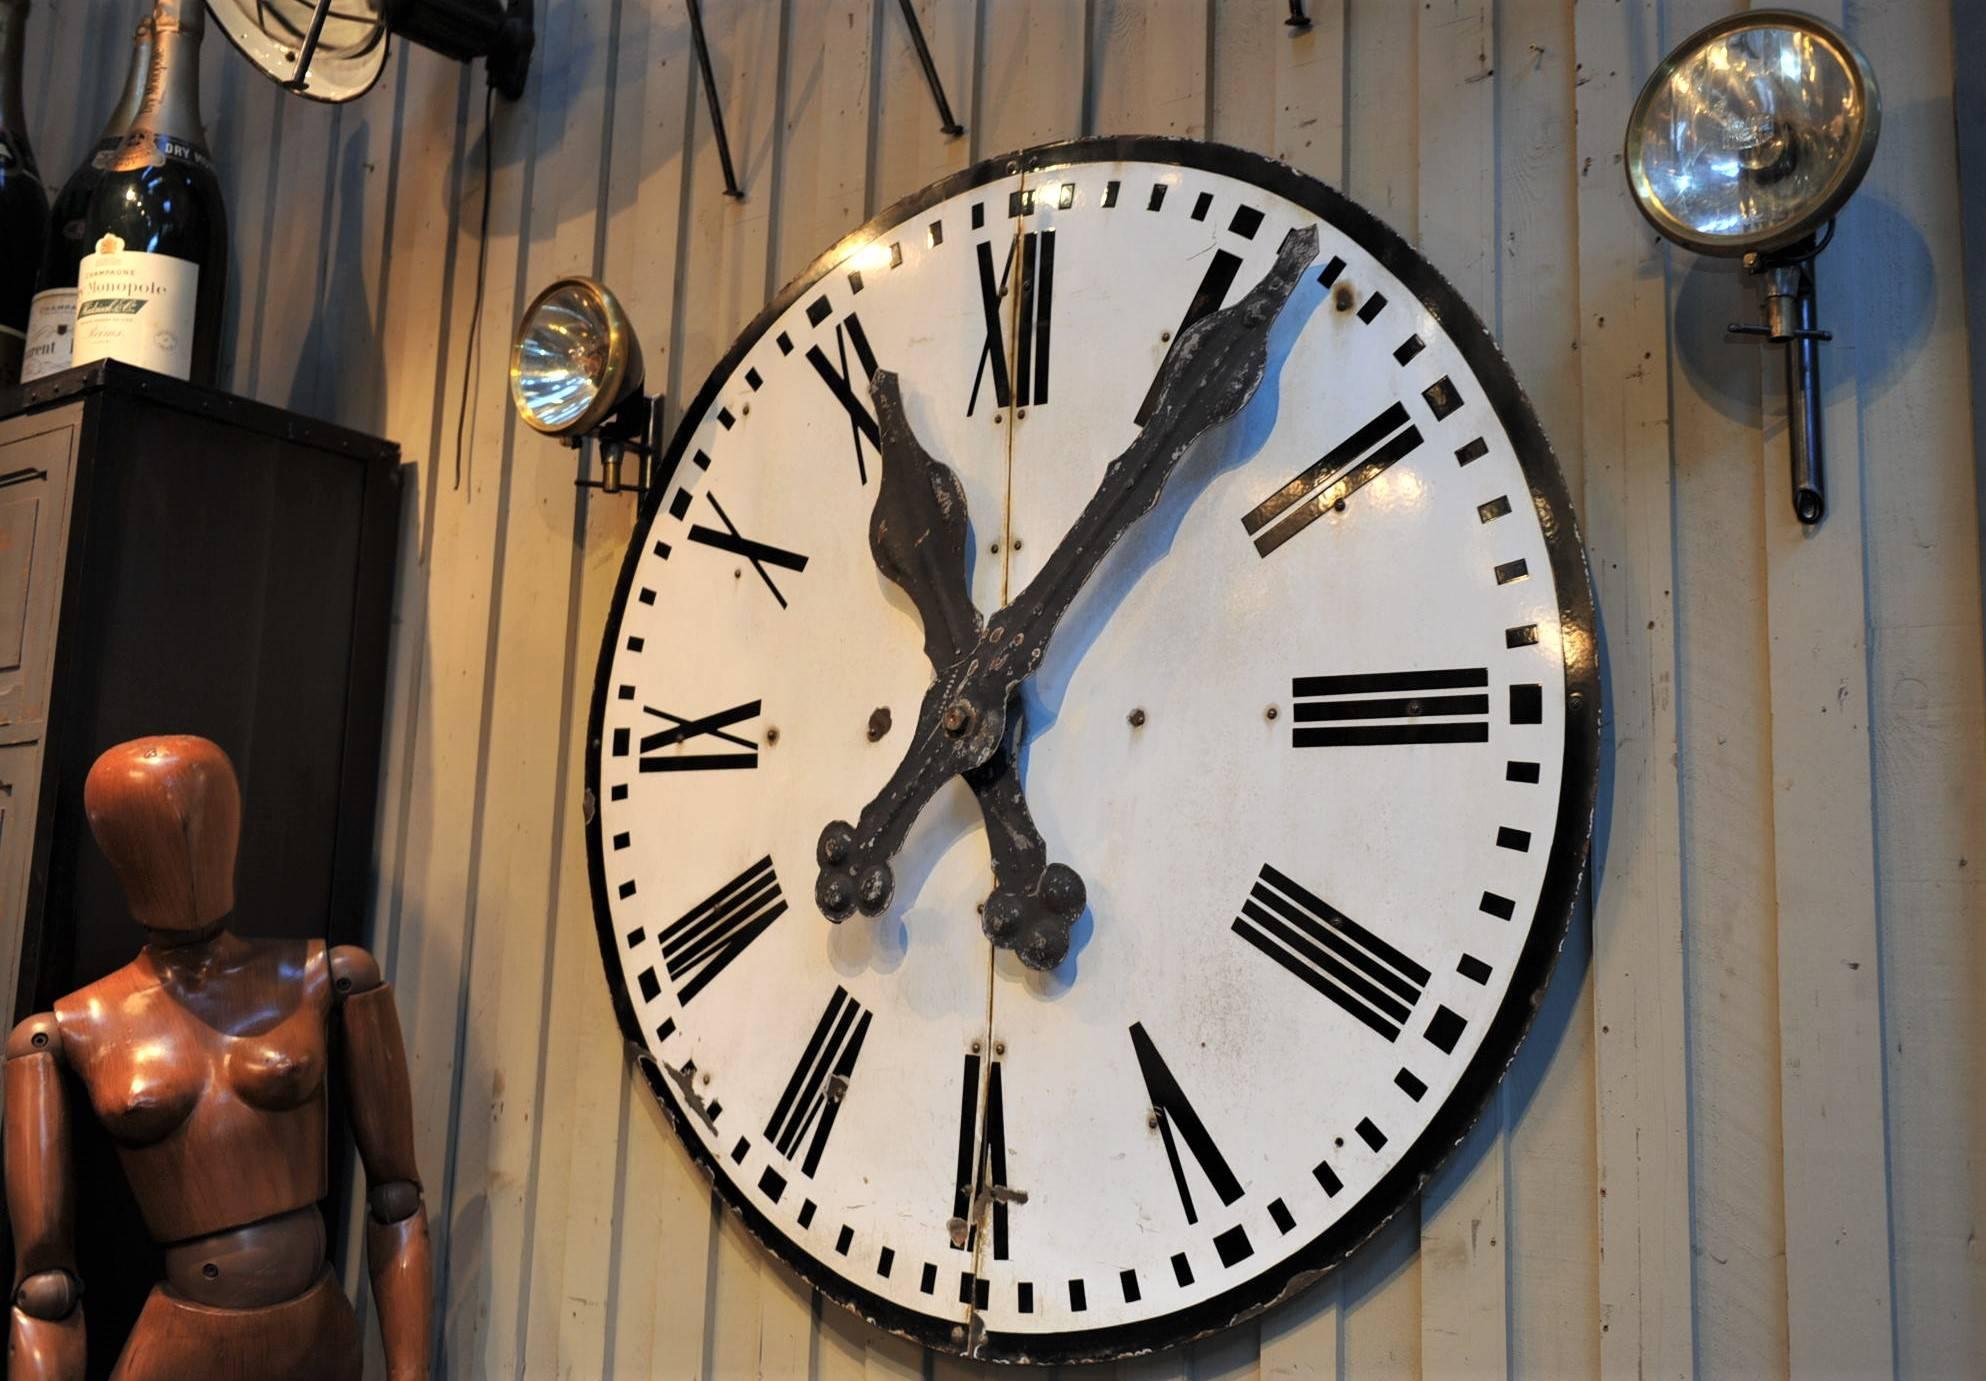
(731, 187)
(946, 122)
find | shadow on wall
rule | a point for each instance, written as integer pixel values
(1875, 289)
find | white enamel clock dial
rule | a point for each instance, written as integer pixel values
(1320, 736)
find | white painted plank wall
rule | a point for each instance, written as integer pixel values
(1746, 1136)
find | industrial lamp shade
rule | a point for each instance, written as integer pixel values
(334, 50)
(1752, 133)
(574, 360)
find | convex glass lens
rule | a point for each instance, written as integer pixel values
(561, 360)
(1747, 136)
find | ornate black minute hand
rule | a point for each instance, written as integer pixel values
(1208, 377)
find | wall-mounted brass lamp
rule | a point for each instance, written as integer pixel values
(1747, 139)
(576, 371)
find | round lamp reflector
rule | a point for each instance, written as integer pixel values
(1752, 133)
(574, 359)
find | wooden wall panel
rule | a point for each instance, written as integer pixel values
(1746, 1135)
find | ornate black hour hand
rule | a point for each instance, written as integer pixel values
(1034, 902)
(1208, 377)
(918, 533)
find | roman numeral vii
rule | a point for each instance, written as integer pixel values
(701, 943)
(805, 1113)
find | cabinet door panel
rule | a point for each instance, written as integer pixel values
(34, 509)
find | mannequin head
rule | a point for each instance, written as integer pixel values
(166, 812)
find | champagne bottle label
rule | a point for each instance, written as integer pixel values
(149, 149)
(136, 307)
(51, 323)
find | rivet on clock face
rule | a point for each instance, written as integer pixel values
(1151, 1120)
(1136, 719)
(1017, 544)
(879, 722)
(1020, 412)
(1342, 298)
(771, 734)
(1165, 335)
(1271, 712)
(975, 1047)
(994, 550)
(958, 1332)
(999, 1047)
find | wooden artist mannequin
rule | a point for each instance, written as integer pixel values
(204, 1058)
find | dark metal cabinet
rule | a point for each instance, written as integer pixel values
(176, 560)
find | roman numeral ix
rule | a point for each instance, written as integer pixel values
(861, 422)
(820, 1081)
(1178, 1122)
(1411, 706)
(703, 942)
(1332, 953)
(1034, 314)
(684, 732)
(1347, 468)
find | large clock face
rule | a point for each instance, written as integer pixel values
(1319, 735)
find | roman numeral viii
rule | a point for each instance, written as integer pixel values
(1332, 953)
(1178, 1122)
(1450, 705)
(1033, 316)
(805, 1113)
(702, 943)
(1345, 469)
(684, 733)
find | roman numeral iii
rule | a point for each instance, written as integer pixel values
(1450, 705)
(1178, 1122)
(702, 943)
(805, 1113)
(1345, 469)
(1332, 953)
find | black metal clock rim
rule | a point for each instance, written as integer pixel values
(1565, 868)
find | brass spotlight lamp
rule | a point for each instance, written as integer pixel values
(1747, 140)
(576, 372)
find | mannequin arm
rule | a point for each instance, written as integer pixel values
(45, 1333)
(396, 1236)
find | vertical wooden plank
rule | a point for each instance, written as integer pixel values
(1724, 730)
(1645, 1321)
(1548, 1103)
(823, 168)
(1904, 330)
(1031, 81)
(907, 148)
(1148, 67)
(496, 1166)
(1381, 126)
(1835, 1164)
(1379, 1331)
(1463, 1237)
